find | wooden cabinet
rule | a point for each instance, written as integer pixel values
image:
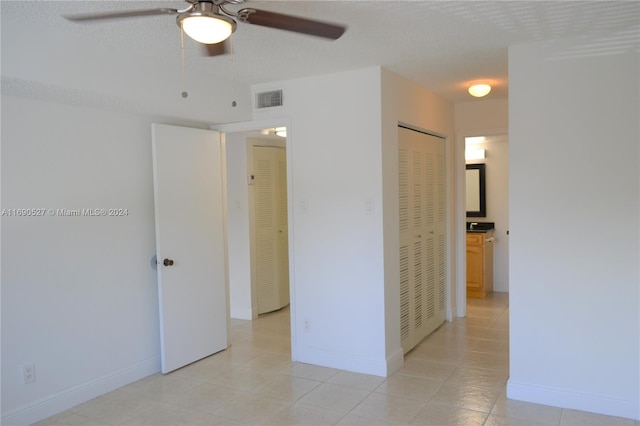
(479, 264)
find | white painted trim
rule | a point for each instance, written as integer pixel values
(245, 126)
(245, 314)
(485, 132)
(566, 398)
(225, 230)
(459, 234)
(69, 398)
(395, 362)
(450, 227)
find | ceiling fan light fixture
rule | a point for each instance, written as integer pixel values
(206, 25)
(479, 90)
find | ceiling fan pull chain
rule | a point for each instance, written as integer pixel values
(184, 80)
(233, 73)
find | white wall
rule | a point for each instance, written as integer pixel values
(342, 154)
(334, 162)
(481, 116)
(240, 296)
(79, 297)
(574, 208)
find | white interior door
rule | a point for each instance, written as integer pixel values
(271, 237)
(190, 243)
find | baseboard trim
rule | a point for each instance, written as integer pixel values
(565, 398)
(395, 362)
(356, 364)
(69, 398)
(243, 314)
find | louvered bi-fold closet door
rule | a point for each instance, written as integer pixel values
(271, 237)
(422, 235)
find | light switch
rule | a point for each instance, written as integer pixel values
(368, 206)
(303, 206)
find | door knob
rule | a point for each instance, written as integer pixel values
(168, 262)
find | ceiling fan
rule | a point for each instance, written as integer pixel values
(210, 22)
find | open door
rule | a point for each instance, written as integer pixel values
(190, 243)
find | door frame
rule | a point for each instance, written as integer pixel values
(247, 126)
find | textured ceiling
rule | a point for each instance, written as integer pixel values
(443, 45)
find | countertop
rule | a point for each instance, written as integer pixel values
(480, 227)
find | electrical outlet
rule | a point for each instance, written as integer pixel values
(307, 326)
(29, 373)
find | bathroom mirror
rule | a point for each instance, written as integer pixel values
(476, 192)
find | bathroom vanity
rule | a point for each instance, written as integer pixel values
(479, 258)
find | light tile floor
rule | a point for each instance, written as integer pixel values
(456, 376)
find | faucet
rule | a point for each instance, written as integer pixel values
(472, 225)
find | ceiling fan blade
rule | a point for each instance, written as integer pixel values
(123, 14)
(215, 49)
(291, 23)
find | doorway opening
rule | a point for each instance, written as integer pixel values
(492, 152)
(257, 224)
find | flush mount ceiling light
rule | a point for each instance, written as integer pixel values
(479, 90)
(281, 131)
(205, 24)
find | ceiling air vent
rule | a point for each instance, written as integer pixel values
(269, 99)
